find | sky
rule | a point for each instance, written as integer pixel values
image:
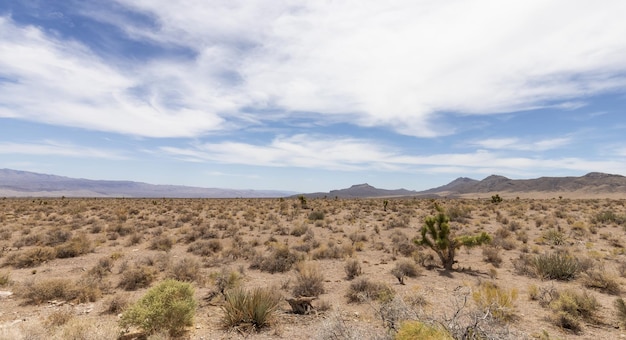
(312, 95)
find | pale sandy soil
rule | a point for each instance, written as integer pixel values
(125, 230)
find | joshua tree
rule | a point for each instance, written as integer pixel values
(385, 203)
(436, 235)
(302, 201)
(496, 198)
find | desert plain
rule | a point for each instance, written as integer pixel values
(554, 267)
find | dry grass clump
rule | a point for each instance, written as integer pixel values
(60, 317)
(352, 269)
(403, 269)
(30, 257)
(410, 330)
(309, 280)
(115, 304)
(186, 270)
(250, 310)
(570, 308)
(76, 246)
(492, 255)
(37, 292)
(136, 277)
(499, 302)
(363, 290)
(280, 260)
(5, 279)
(161, 242)
(333, 251)
(600, 280)
(620, 308)
(205, 247)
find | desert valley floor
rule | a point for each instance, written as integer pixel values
(554, 269)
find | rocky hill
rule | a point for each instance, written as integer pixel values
(591, 183)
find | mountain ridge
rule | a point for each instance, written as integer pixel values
(18, 183)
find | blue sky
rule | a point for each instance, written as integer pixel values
(312, 95)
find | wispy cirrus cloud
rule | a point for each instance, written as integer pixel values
(56, 148)
(522, 144)
(349, 154)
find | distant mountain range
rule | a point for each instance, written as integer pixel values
(591, 184)
(14, 183)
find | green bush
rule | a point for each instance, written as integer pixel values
(168, 306)
(250, 309)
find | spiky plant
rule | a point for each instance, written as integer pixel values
(436, 235)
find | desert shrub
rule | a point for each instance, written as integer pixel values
(608, 216)
(352, 269)
(115, 304)
(399, 222)
(252, 310)
(333, 251)
(56, 236)
(77, 246)
(620, 308)
(225, 280)
(459, 213)
(59, 317)
(336, 328)
(205, 247)
(556, 266)
(40, 291)
(600, 280)
(169, 306)
(571, 307)
(31, 257)
(403, 269)
(80, 329)
(280, 260)
(363, 290)
(299, 230)
(492, 255)
(309, 280)
(186, 270)
(102, 268)
(554, 237)
(497, 301)
(5, 279)
(316, 216)
(161, 242)
(419, 330)
(136, 277)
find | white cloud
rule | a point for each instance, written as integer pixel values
(392, 63)
(398, 63)
(520, 144)
(56, 148)
(61, 82)
(347, 154)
